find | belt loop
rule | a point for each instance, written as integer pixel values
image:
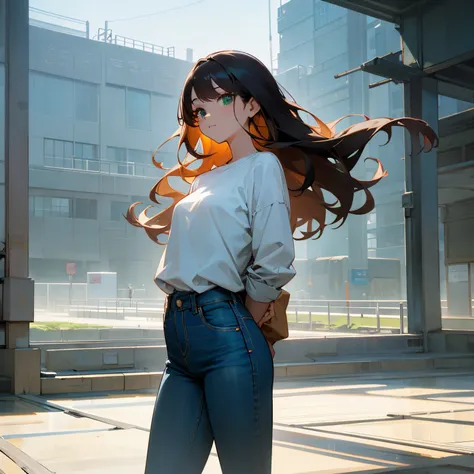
(234, 297)
(194, 303)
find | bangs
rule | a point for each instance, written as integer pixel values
(201, 80)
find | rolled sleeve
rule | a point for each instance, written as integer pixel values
(273, 253)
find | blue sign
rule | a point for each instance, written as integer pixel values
(359, 277)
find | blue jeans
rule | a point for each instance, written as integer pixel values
(217, 386)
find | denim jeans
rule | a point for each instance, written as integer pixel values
(217, 386)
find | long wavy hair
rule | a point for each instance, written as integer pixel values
(314, 157)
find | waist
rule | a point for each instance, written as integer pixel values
(184, 300)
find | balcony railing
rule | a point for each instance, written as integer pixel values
(142, 46)
(60, 23)
(102, 166)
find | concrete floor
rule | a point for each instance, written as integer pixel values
(376, 423)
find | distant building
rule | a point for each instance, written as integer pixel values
(317, 41)
(97, 111)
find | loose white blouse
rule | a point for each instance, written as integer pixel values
(231, 214)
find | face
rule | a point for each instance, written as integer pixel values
(224, 118)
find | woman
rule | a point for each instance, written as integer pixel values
(230, 251)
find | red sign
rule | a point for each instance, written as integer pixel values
(71, 268)
(95, 279)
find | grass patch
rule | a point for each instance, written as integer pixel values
(339, 320)
(54, 325)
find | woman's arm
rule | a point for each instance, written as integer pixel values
(272, 240)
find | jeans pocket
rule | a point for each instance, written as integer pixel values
(218, 316)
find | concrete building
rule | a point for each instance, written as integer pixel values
(97, 111)
(319, 40)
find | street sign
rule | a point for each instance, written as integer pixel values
(359, 276)
(71, 269)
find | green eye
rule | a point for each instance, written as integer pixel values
(226, 99)
(200, 113)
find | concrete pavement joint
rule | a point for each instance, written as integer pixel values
(413, 444)
(81, 414)
(22, 460)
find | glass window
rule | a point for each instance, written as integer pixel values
(58, 153)
(138, 109)
(46, 206)
(118, 157)
(51, 95)
(86, 101)
(48, 147)
(60, 207)
(118, 210)
(116, 154)
(85, 208)
(140, 156)
(86, 151)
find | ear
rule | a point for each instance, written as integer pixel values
(252, 107)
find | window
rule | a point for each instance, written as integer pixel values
(118, 210)
(118, 155)
(86, 151)
(138, 106)
(85, 208)
(48, 206)
(140, 156)
(58, 153)
(66, 154)
(86, 101)
(118, 158)
(44, 206)
(51, 95)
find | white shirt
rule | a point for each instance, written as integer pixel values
(232, 213)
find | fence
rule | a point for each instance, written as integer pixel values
(60, 23)
(324, 315)
(378, 316)
(129, 168)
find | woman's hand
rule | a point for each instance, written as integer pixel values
(268, 315)
(262, 313)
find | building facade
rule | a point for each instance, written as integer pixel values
(97, 112)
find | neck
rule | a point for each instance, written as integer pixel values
(241, 146)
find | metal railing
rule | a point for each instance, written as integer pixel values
(340, 315)
(143, 46)
(55, 22)
(128, 168)
(374, 316)
(107, 36)
(359, 315)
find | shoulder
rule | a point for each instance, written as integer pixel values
(267, 159)
(266, 166)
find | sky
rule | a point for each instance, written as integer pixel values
(204, 25)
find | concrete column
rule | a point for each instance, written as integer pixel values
(18, 361)
(421, 213)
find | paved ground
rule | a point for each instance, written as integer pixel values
(375, 423)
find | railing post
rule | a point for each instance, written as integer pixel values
(296, 313)
(377, 313)
(348, 304)
(402, 329)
